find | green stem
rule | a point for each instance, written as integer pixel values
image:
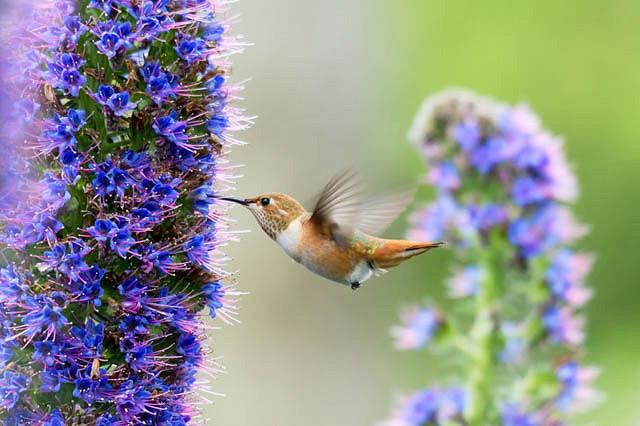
(483, 336)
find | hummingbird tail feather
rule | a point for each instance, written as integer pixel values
(395, 252)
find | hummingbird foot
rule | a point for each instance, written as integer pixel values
(355, 286)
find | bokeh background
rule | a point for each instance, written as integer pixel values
(336, 83)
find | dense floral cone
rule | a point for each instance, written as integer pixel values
(116, 122)
(503, 190)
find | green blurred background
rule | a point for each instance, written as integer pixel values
(336, 83)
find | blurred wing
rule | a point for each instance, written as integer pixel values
(342, 208)
(339, 202)
(379, 211)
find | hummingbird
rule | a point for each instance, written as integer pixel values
(337, 239)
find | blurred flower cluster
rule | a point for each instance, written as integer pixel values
(116, 120)
(503, 188)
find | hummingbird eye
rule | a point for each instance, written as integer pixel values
(265, 201)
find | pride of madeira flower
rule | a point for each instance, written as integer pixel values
(503, 188)
(116, 120)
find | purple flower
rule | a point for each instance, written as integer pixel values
(12, 385)
(217, 124)
(131, 400)
(118, 102)
(50, 381)
(465, 282)
(429, 406)
(563, 326)
(528, 190)
(115, 40)
(64, 73)
(221, 301)
(192, 49)
(54, 419)
(107, 6)
(103, 230)
(202, 198)
(189, 347)
(512, 415)
(566, 274)
(47, 353)
(172, 129)
(419, 326)
(444, 176)
(160, 85)
(44, 316)
(133, 324)
(577, 392)
(467, 134)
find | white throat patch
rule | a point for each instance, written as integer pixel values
(290, 237)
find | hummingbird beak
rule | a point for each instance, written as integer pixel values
(234, 200)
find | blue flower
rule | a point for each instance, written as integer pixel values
(103, 230)
(64, 73)
(89, 338)
(50, 380)
(217, 124)
(467, 134)
(118, 102)
(133, 324)
(512, 415)
(214, 293)
(189, 347)
(419, 326)
(171, 129)
(430, 406)
(93, 389)
(577, 392)
(11, 386)
(202, 198)
(562, 326)
(43, 315)
(213, 33)
(527, 190)
(54, 419)
(160, 85)
(115, 40)
(192, 49)
(488, 155)
(444, 176)
(131, 400)
(107, 6)
(47, 353)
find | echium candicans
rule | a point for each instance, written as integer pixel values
(117, 117)
(503, 189)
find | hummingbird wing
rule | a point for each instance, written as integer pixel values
(379, 211)
(342, 208)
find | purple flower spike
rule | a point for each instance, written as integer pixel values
(111, 146)
(502, 185)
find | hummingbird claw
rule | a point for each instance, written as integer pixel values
(355, 286)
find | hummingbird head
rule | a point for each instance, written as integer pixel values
(274, 212)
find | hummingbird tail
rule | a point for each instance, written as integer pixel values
(394, 253)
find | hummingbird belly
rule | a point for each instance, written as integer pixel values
(335, 263)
